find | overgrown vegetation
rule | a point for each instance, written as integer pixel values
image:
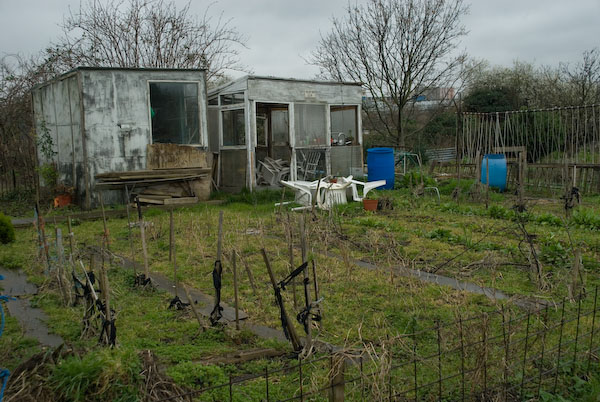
(362, 306)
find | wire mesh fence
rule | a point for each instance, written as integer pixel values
(501, 355)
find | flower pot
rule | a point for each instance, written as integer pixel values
(370, 205)
(62, 200)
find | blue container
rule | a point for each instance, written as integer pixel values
(497, 170)
(380, 162)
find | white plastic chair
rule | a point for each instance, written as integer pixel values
(331, 194)
(367, 186)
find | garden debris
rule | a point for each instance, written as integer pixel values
(29, 381)
(156, 386)
(244, 356)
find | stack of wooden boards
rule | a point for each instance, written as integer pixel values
(164, 186)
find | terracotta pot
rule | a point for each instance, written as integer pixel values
(370, 205)
(62, 200)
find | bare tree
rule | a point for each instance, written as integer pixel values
(584, 78)
(398, 49)
(147, 33)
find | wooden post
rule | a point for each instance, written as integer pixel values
(290, 239)
(316, 286)
(290, 327)
(106, 234)
(60, 264)
(220, 238)
(235, 290)
(171, 234)
(129, 232)
(338, 366)
(71, 238)
(143, 236)
(173, 255)
(198, 318)
(250, 276)
(307, 298)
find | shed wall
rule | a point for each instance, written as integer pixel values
(117, 117)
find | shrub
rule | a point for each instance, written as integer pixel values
(7, 231)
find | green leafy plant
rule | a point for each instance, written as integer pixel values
(7, 231)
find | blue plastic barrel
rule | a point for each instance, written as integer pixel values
(380, 162)
(497, 170)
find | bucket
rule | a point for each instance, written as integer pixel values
(370, 205)
(380, 162)
(497, 163)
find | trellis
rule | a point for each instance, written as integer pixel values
(560, 142)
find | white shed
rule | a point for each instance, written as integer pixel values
(292, 120)
(103, 119)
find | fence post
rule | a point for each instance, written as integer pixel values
(462, 357)
(587, 371)
(541, 365)
(439, 345)
(267, 381)
(415, 362)
(525, 354)
(577, 328)
(300, 378)
(562, 324)
(338, 366)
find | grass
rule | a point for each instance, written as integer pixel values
(457, 238)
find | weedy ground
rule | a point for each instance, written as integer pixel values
(497, 247)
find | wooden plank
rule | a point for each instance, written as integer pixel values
(151, 200)
(179, 201)
(153, 173)
(154, 197)
(161, 156)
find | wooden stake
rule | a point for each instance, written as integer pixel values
(189, 298)
(235, 290)
(71, 238)
(290, 239)
(143, 236)
(316, 286)
(129, 232)
(60, 264)
(173, 252)
(106, 234)
(220, 238)
(290, 327)
(250, 276)
(171, 235)
(307, 298)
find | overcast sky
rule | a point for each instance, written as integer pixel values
(281, 32)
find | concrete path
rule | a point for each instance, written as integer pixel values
(33, 320)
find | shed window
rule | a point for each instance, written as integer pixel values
(174, 112)
(343, 125)
(234, 127)
(310, 125)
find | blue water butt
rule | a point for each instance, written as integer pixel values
(497, 170)
(380, 162)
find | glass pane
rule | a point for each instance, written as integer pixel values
(261, 130)
(234, 127)
(232, 99)
(280, 126)
(343, 125)
(174, 112)
(310, 125)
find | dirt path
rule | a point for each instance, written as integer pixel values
(528, 303)
(32, 320)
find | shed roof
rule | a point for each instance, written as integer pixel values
(89, 68)
(223, 87)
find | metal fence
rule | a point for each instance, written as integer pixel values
(500, 355)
